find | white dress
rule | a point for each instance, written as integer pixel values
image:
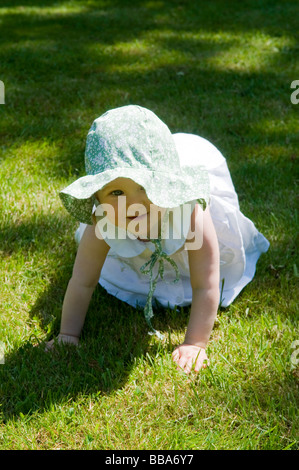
(240, 243)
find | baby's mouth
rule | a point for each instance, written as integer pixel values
(137, 218)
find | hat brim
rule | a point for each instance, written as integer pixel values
(190, 184)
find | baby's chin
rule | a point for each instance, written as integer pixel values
(142, 228)
(146, 235)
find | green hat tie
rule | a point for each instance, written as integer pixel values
(158, 256)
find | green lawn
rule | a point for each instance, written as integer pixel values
(222, 70)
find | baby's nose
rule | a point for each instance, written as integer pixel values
(136, 209)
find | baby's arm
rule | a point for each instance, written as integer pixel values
(204, 277)
(88, 264)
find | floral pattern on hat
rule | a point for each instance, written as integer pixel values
(132, 142)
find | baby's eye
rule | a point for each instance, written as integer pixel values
(116, 192)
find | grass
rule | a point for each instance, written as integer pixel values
(220, 72)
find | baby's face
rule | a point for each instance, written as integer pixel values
(132, 209)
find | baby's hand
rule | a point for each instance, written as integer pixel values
(65, 339)
(188, 356)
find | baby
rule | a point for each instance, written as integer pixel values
(162, 208)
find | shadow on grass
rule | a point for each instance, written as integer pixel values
(113, 339)
(114, 336)
(64, 68)
(61, 71)
(33, 380)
